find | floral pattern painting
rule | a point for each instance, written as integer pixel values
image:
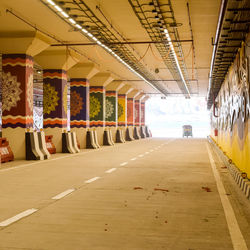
(95, 107)
(65, 98)
(76, 103)
(109, 109)
(11, 91)
(29, 91)
(50, 98)
(120, 110)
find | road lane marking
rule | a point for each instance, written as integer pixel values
(233, 226)
(140, 155)
(151, 150)
(18, 217)
(92, 179)
(110, 170)
(124, 163)
(133, 159)
(63, 194)
(147, 152)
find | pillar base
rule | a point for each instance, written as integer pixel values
(80, 135)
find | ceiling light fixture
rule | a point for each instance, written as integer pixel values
(72, 21)
(176, 60)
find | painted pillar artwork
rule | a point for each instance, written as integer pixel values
(130, 111)
(142, 113)
(55, 92)
(122, 110)
(137, 113)
(97, 106)
(79, 103)
(17, 91)
(111, 109)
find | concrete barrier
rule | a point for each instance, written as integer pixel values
(136, 135)
(128, 136)
(142, 132)
(111, 137)
(33, 151)
(119, 136)
(74, 142)
(67, 143)
(42, 144)
(90, 140)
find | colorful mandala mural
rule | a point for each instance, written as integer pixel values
(76, 103)
(65, 98)
(29, 91)
(120, 110)
(11, 91)
(95, 107)
(50, 98)
(109, 109)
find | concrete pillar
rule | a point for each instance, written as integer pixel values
(17, 86)
(122, 106)
(131, 109)
(79, 99)
(55, 90)
(111, 119)
(138, 110)
(143, 110)
(97, 103)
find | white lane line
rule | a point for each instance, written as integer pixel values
(63, 194)
(140, 155)
(146, 153)
(92, 179)
(151, 150)
(124, 163)
(233, 226)
(17, 217)
(110, 170)
(133, 159)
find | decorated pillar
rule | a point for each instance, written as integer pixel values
(138, 112)
(111, 109)
(131, 107)
(97, 101)
(79, 99)
(17, 95)
(122, 105)
(55, 92)
(17, 86)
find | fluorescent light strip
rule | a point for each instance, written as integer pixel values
(51, 2)
(98, 42)
(176, 59)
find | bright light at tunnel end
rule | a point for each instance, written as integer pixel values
(75, 24)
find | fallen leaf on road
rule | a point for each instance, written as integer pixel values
(206, 189)
(135, 188)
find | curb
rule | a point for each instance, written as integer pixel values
(243, 183)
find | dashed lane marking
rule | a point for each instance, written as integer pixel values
(18, 217)
(110, 170)
(63, 194)
(140, 155)
(123, 164)
(92, 179)
(133, 159)
(147, 152)
(233, 226)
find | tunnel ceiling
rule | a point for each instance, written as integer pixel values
(232, 28)
(118, 25)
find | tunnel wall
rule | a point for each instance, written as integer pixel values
(233, 107)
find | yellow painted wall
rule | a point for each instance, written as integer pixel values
(233, 102)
